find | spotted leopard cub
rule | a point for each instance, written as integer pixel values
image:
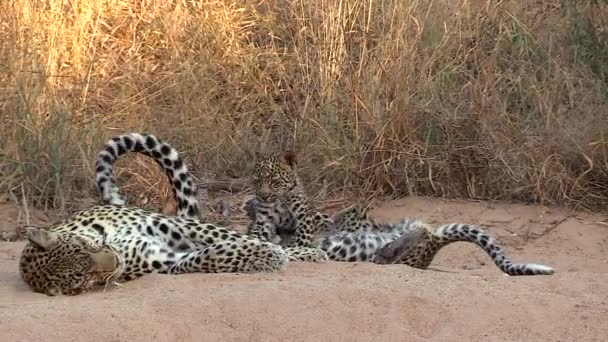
(351, 235)
(411, 242)
(281, 207)
(281, 212)
(113, 243)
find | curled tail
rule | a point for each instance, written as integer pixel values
(464, 232)
(166, 156)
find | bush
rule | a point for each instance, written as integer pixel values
(503, 99)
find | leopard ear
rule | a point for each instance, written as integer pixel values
(41, 237)
(289, 157)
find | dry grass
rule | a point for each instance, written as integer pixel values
(477, 99)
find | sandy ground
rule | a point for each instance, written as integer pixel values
(463, 298)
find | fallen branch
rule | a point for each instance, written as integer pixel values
(231, 185)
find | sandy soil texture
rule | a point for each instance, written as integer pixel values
(463, 298)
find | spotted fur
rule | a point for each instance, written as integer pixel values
(411, 242)
(109, 243)
(112, 243)
(184, 188)
(281, 213)
(281, 205)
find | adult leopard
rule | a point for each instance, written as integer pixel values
(281, 212)
(112, 243)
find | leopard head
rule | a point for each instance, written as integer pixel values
(67, 264)
(275, 175)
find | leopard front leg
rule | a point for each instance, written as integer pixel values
(247, 256)
(264, 229)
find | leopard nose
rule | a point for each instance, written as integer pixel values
(263, 192)
(263, 195)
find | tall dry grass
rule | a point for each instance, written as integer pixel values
(458, 98)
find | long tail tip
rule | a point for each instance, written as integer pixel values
(541, 269)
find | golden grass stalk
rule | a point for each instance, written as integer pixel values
(461, 98)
